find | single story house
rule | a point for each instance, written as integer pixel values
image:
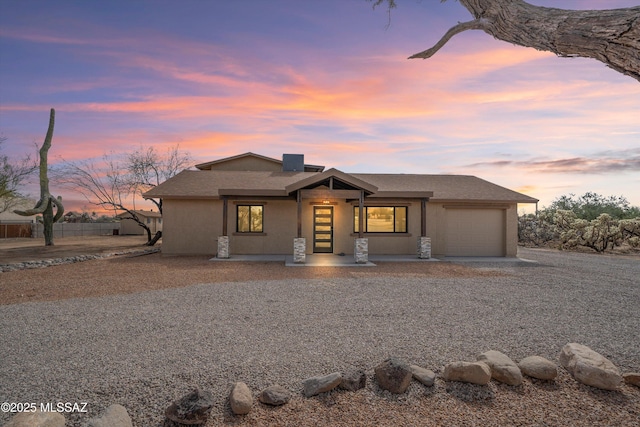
(129, 226)
(252, 204)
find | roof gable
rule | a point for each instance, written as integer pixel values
(243, 162)
(251, 162)
(329, 179)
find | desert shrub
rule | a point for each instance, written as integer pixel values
(537, 230)
(599, 234)
(567, 229)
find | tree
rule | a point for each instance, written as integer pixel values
(12, 178)
(610, 36)
(46, 203)
(591, 205)
(148, 168)
(112, 182)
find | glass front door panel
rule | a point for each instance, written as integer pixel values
(323, 229)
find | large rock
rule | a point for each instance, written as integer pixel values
(632, 378)
(590, 367)
(503, 369)
(353, 380)
(425, 376)
(275, 395)
(538, 367)
(114, 416)
(316, 385)
(192, 409)
(468, 372)
(36, 419)
(241, 399)
(393, 375)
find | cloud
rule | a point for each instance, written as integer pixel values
(600, 163)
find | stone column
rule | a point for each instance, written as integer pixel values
(361, 250)
(299, 250)
(424, 247)
(223, 247)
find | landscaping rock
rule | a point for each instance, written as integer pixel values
(316, 385)
(275, 395)
(632, 378)
(425, 376)
(36, 419)
(393, 375)
(468, 372)
(241, 399)
(192, 409)
(538, 367)
(590, 367)
(114, 416)
(503, 369)
(353, 380)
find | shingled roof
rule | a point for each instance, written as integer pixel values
(211, 184)
(446, 187)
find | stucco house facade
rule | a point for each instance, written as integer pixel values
(128, 226)
(252, 204)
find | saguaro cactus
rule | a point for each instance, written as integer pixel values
(47, 201)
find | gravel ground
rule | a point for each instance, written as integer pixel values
(265, 324)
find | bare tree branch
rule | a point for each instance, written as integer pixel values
(147, 168)
(477, 24)
(112, 182)
(609, 36)
(101, 185)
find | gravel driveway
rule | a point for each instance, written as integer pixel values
(146, 349)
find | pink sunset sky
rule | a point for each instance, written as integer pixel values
(328, 79)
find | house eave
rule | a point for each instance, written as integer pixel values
(251, 192)
(480, 201)
(402, 195)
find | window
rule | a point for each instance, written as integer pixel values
(382, 219)
(250, 218)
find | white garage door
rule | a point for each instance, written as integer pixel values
(475, 232)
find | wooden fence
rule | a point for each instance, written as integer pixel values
(12, 231)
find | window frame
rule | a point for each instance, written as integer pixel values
(365, 228)
(250, 206)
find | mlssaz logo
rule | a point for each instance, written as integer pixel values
(66, 407)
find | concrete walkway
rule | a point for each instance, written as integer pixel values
(334, 260)
(324, 260)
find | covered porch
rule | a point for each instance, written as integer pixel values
(336, 214)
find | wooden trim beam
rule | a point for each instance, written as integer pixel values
(225, 215)
(299, 201)
(423, 218)
(361, 215)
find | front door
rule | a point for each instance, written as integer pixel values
(323, 229)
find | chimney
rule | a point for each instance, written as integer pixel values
(293, 163)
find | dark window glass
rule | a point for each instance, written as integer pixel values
(382, 219)
(250, 219)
